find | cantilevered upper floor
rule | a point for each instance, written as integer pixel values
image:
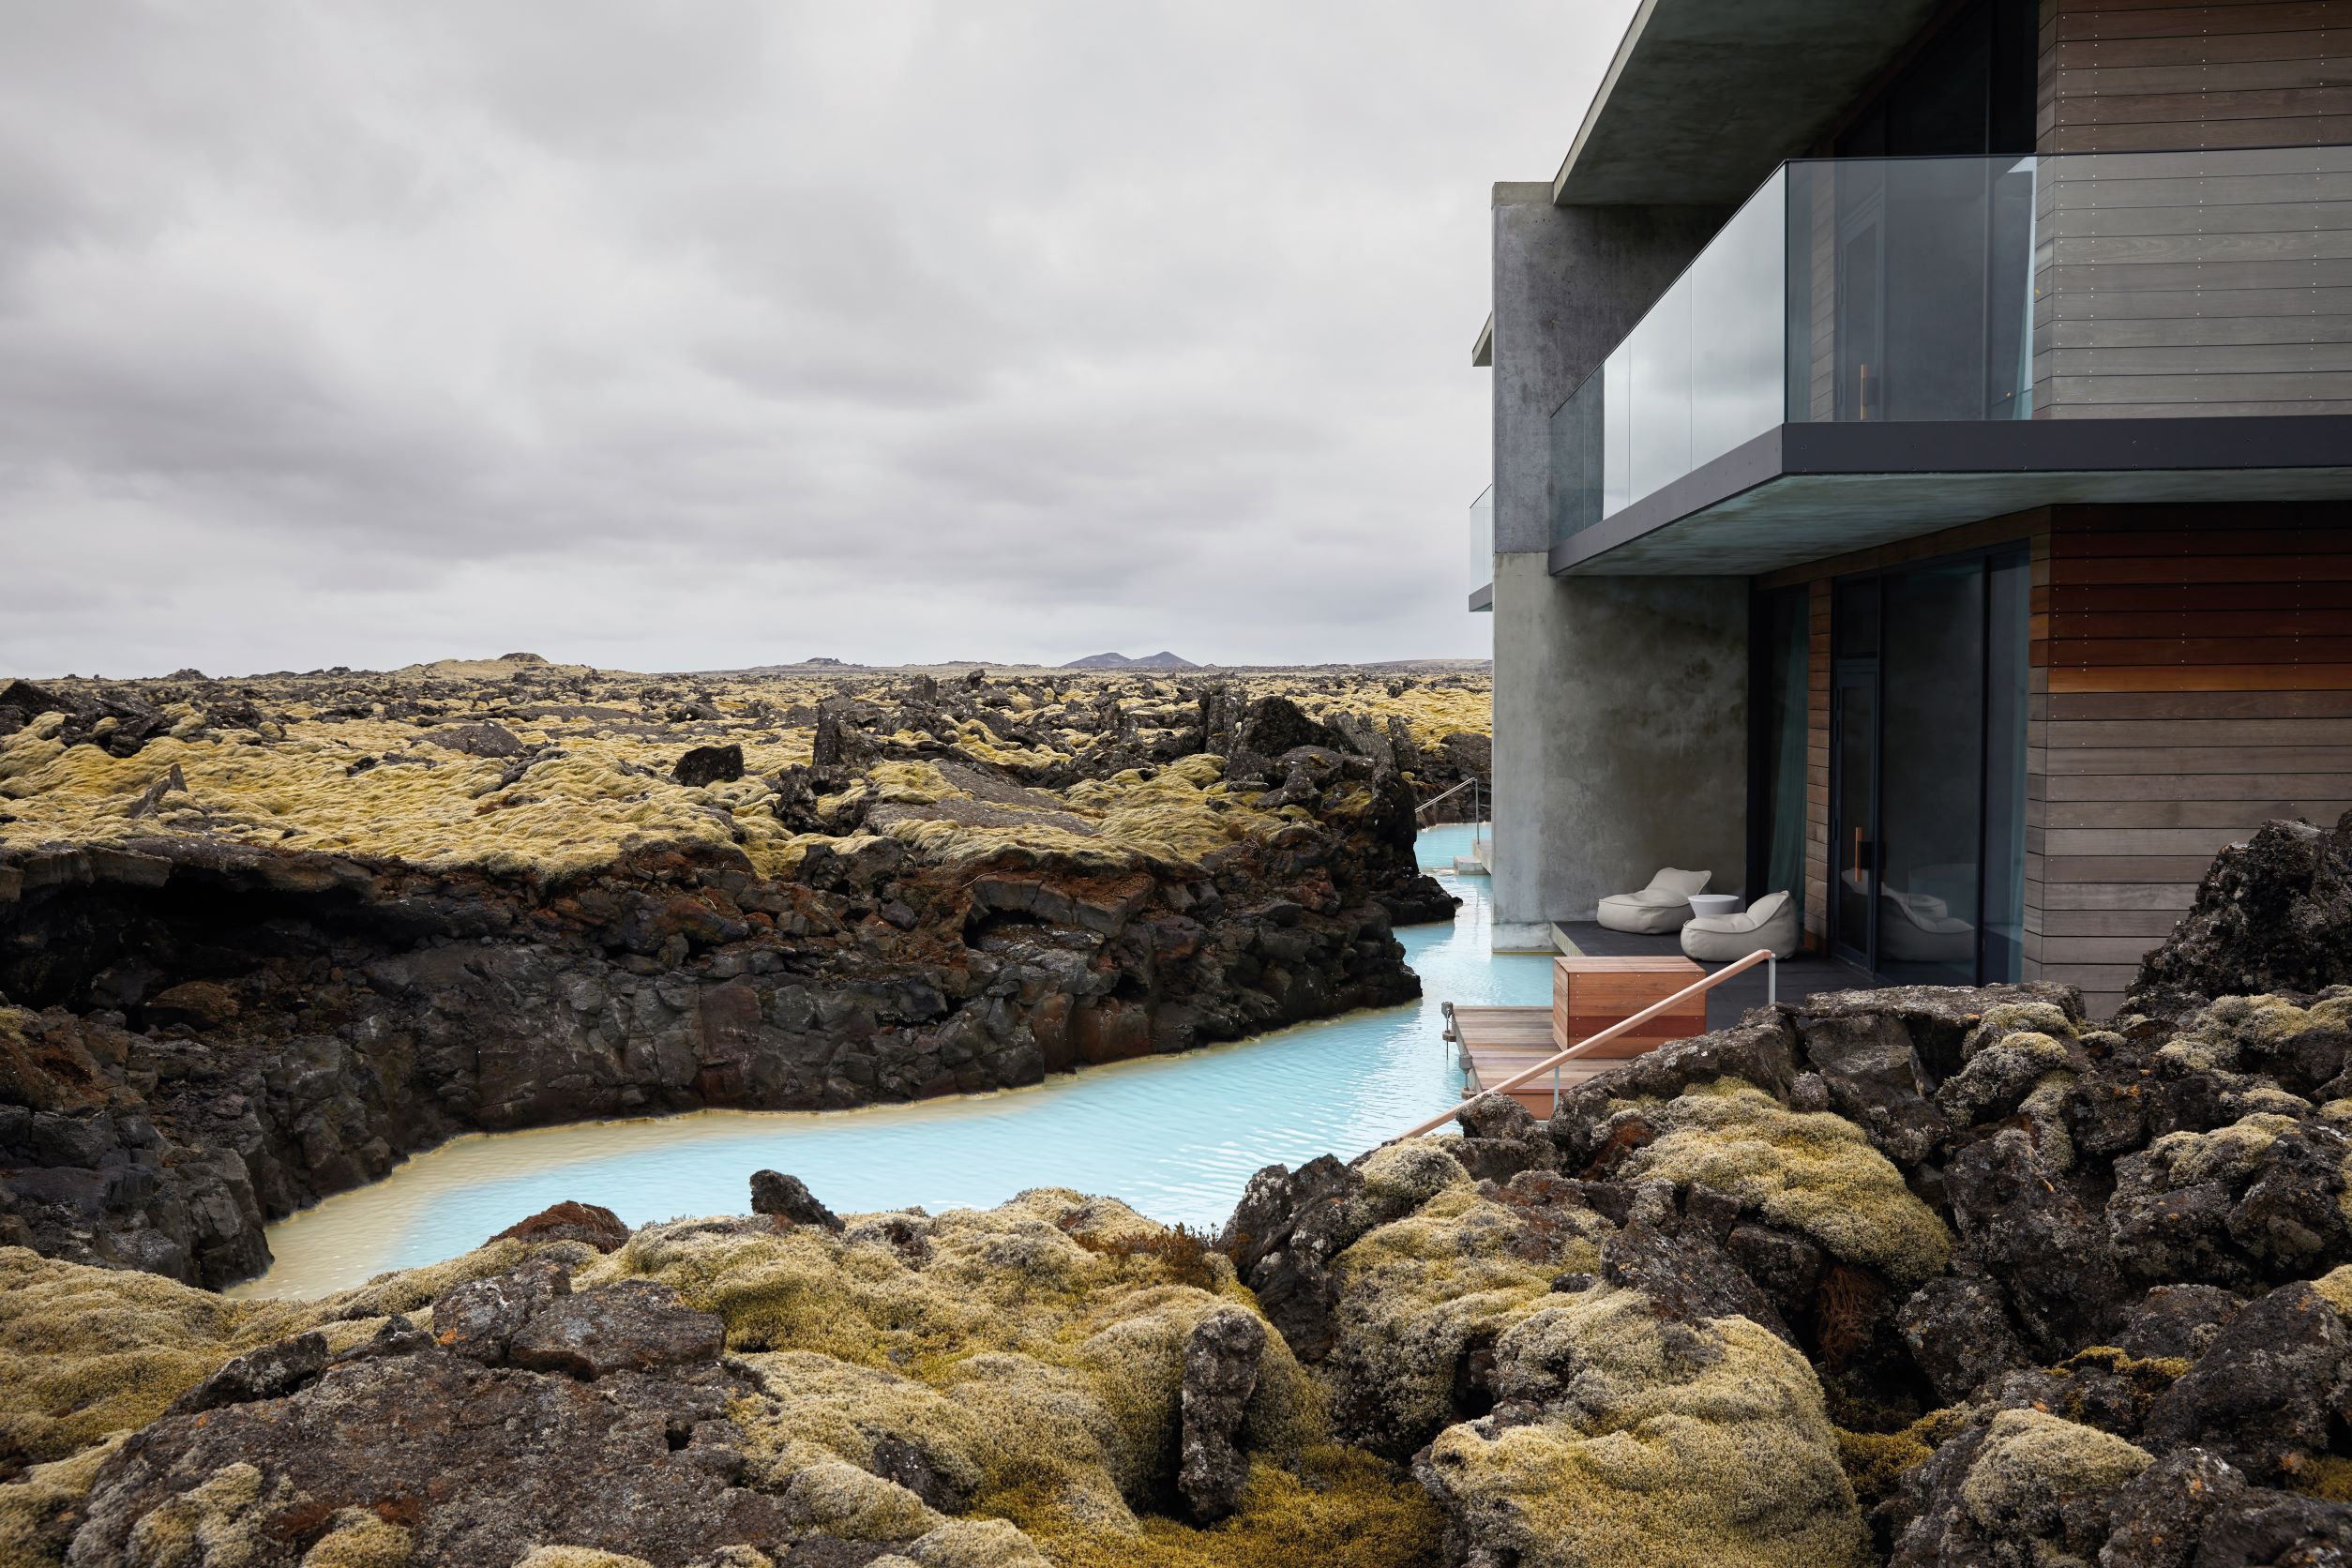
(1821, 274)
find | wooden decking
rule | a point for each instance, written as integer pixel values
(1492, 1042)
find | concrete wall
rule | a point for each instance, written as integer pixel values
(1569, 283)
(1621, 738)
(1621, 710)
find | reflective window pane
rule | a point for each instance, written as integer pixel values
(1931, 763)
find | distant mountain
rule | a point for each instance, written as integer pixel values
(1161, 660)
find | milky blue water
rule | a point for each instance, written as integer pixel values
(1176, 1136)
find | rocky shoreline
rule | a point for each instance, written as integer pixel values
(1925, 1275)
(200, 1032)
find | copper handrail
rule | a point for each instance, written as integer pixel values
(1762, 955)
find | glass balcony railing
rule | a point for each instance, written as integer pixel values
(1481, 542)
(2079, 286)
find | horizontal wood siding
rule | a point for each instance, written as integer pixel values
(2192, 682)
(2211, 272)
(2239, 74)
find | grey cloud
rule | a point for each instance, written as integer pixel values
(725, 331)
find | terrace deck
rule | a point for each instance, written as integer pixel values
(1491, 1043)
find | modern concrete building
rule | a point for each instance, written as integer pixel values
(1921, 442)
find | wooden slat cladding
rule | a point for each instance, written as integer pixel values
(2143, 75)
(2209, 271)
(2199, 666)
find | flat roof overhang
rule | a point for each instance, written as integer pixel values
(1801, 492)
(1705, 96)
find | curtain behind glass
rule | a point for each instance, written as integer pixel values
(1785, 854)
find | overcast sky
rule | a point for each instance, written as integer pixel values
(690, 334)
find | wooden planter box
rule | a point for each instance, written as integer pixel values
(1587, 996)
(1591, 994)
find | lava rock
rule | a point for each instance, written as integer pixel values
(1960, 1334)
(2263, 1396)
(476, 739)
(709, 764)
(272, 1372)
(1221, 1361)
(479, 1318)
(788, 1199)
(591, 1223)
(2271, 914)
(633, 1326)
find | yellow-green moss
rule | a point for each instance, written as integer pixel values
(358, 1538)
(1704, 1443)
(1809, 1171)
(1034, 1351)
(2032, 1462)
(603, 785)
(2220, 1037)
(37, 1509)
(1874, 1462)
(1415, 1291)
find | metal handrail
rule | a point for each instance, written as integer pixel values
(1478, 815)
(1552, 1064)
(1470, 783)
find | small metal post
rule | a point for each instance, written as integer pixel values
(1772, 981)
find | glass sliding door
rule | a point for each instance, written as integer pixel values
(1927, 769)
(1853, 806)
(1931, 773)
(1853, 767)
(1776, 850)
(2009, 594)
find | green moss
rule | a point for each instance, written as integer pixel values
(1809, 1171)
(1665, 1443)
(2325, 1476)
(1034, 1352)
(1415, 1291)
(2032, 1463)
(215, 1521)
(2227, 1032)
(39, 1510)
(1338, 1508)
(358, 1538)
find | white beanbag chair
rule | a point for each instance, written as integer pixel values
(1769, 922)
(1919, 928)
(1661, 907)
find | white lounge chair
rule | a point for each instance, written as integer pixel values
(1769, 922)
(1661, 907)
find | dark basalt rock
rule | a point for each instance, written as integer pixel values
(636, 1462)
(272, 1372)
(2177, 1321)
(2262, 1396)
(2272, 914)
(1960, 1333)
(479, 1319)
(1282, 1237)
(1500, 1139)
(1221, 1359)
(709, 764)
(788, 1199)
(591, 1223)
(476, 739)
(636, 1325)
(2029, 1231)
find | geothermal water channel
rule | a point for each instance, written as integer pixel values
(1175, 1136)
